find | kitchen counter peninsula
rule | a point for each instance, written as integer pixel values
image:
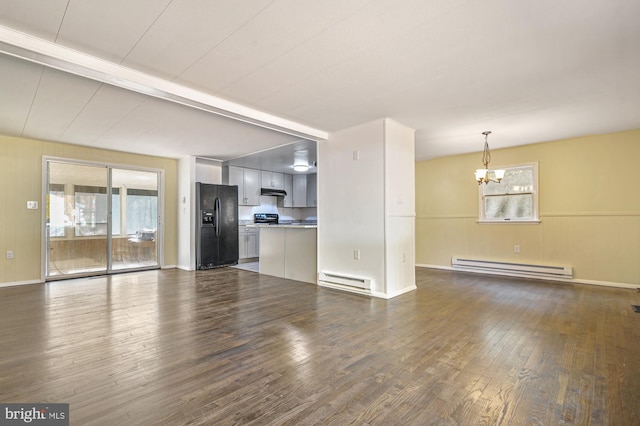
(289, 250)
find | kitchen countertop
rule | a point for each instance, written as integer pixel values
(284, 225)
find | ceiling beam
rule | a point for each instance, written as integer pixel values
(52, 55)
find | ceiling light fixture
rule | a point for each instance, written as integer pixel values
(483, 175)
(301, 160)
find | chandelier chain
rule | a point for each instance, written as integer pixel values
(486, 154)
(482, 175)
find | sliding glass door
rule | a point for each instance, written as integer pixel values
(134, 219)
(77, 212)
(99, 219)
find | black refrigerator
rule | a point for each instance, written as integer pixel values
(216, 225)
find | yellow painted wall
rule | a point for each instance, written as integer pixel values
(589, 209)
(21, 180)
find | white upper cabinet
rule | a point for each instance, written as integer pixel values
(248, 181)
(252, 187)
(299, 191)
(287, 200)
(272, 180)
(312, 190)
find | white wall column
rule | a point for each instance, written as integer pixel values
(367, 228)
(190, 171)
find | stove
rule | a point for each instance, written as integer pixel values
(266, 218)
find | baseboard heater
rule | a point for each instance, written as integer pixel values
(345, 282)
(511, 269)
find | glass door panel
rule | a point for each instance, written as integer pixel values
(134, 230)
(76, 219)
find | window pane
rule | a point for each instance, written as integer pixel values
(509, 206)
(57, 218)
(515, 181)
(91, 213)
(142, 213)
(115, 216)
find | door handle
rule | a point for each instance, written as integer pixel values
(217, 209)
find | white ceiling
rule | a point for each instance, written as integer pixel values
(528, 71)
(282, 159)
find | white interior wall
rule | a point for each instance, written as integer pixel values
(351, 211)
(186, 222)
(400, 208)
(190, 171)
(208, 171)
(400, 255)
(367, 189)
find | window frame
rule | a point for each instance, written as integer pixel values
(536, 189)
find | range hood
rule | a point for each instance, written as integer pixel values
(276, 192)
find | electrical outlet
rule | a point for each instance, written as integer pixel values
(32, 205)
(356, 154)
(516, 249)
(356, 254)
(10, 254)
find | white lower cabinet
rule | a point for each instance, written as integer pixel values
(248, 242)
(289, 253)
(272, 251)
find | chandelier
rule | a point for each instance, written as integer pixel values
(485, 175)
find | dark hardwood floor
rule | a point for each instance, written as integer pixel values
(230, 346)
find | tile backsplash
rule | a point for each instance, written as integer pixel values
(269, 205)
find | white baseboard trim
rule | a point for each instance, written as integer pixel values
(376, 294)
(17, 283)
(168, 267)
(185, 268)
(567, 280)
(395, 293)
(607, 283)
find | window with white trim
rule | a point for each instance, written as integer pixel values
(514, 199)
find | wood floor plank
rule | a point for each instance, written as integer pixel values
(232, 347)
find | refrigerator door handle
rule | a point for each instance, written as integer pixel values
(217, 219)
